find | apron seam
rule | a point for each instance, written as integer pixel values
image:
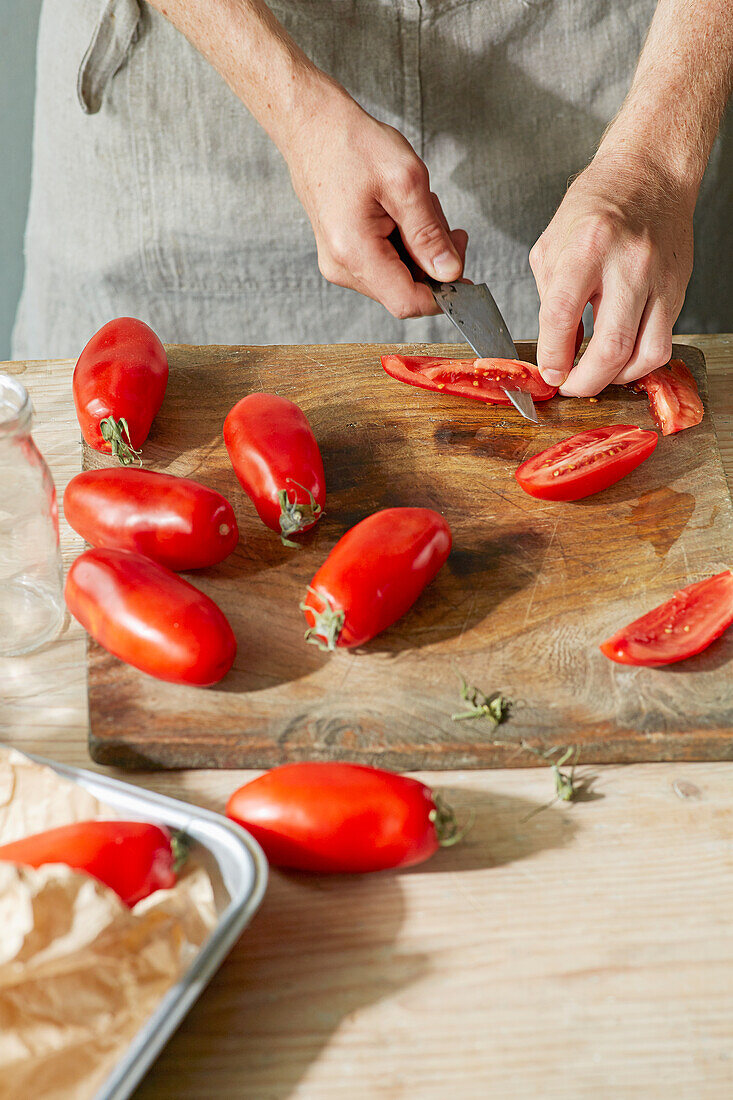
(237, 287)
(411, 126)
(140, 189)
(420, 106)
(450, 7)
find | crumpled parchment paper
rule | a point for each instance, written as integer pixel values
(79, 971)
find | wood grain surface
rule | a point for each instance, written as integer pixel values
(530, 590)
(581, 952)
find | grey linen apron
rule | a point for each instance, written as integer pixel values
(156, 194)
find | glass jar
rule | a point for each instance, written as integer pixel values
(31, 576)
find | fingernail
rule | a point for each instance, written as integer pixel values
(554, 377)
(447, 266)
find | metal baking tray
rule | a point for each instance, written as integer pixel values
(238, 870)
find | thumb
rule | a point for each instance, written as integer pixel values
(425, 236)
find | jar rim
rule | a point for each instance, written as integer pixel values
(15, 405)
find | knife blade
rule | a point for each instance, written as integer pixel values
(472, 309)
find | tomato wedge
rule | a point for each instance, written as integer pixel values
(673, 398)
(337, 818)
(373, 575)
(173, 520)
(479, 379)
(677, 629)
(276, 458)
(149, 617)
(131, 857)
(586, 463)
(119, 384)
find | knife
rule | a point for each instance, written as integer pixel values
(472, 309)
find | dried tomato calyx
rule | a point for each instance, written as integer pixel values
(294, 516)
(180, 847)
(327, 623)
(447, 829)
(122, 449)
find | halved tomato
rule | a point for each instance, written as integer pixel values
(479, 379)
(586, 463)
(677, 629)
(673, 398)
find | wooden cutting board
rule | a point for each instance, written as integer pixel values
(529, 591)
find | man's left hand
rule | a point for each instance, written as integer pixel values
(622, 240)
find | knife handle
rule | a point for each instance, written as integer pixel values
(420, 276)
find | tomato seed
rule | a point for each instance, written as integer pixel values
(476, 383)
(685, 628)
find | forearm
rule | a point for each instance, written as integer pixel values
(680, 89)
(257, 58)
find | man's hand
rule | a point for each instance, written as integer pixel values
(621, 240)
(357, 179)
(622, 236)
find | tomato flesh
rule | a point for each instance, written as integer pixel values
(338, 818)
(147, 616)
(586, 463)
(131, 857)
(173, 520)
(479, 379)
(679, 628)
(673, 398)
(374, 574)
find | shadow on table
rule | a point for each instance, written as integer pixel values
(320, 950)
(504, 829)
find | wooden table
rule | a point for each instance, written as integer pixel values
(585, 951)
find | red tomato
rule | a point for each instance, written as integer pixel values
(334, 818)
(480, 379)
(131, 857)
(149, 617)
(579, 335)
(173, 520)
(677, 629)
(276, 458)
(673, 398)
(374, 574)
(119, 383)
(586, 463)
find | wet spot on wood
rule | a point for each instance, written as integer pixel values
(494, 441)
(661, 515)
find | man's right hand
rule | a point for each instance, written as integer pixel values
(357, 179)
